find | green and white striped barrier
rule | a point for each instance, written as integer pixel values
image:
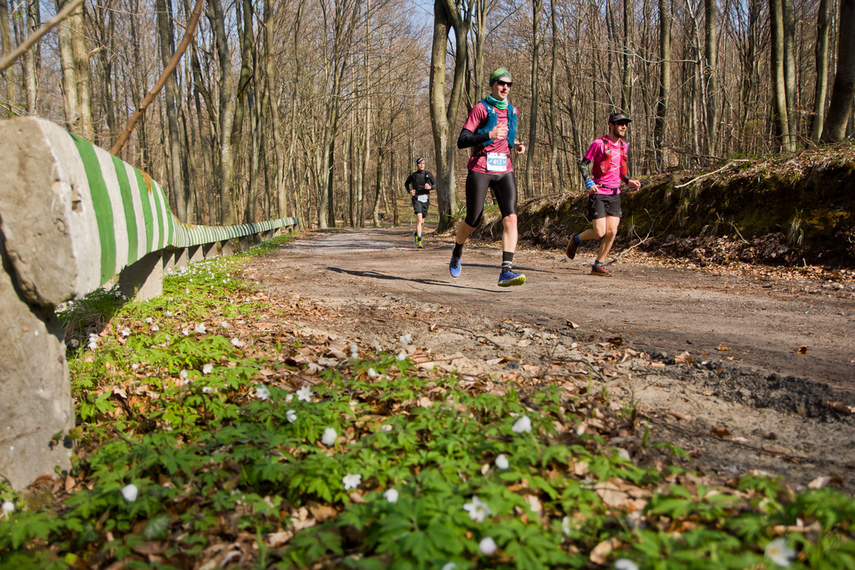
(72, 217)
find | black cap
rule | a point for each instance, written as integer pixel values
(618, 118)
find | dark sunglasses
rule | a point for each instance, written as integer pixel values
(503, 83)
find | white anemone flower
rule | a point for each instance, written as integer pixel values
(262, 392)
(8, 507)
(401, 356)
(625, 564)
(168, 313)
(329, 437)
(155, 328)
(93, 341)
(406, 339)
(477, 509)
(565, 526)
(185, 331)
(183, 374)
(304, 394)
(351, 481)
(391, 495)
(224, 324)
(372, 373)
(450, 566)
(149, 320)
(130, 493)
(237, 342)
(522, 425)
(289, 397)
(207, 390)
(487, 546)
(126, 332)
(778, 552)
(207, 369)
(502, 461)
(291, 416)
(201, 328)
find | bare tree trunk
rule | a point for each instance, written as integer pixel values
(174, 168)
(6, 41)
(626, 82)
(553, 101)
(536, 9)
(82, 73)
(443, 115)
(227, 104)
(780, 114)
(790, 72)
(843, 92)
(710, 70)
(660, 125)
(32, 61)
(821, 51)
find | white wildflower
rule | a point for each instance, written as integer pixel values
(224, 324)
(291, 416)
(351, 481)
(386, 427)
(130, 493)
(778, 552)
(502, 461)
(184, 374)
(207, 369)
(372, 373)
(406, 339)
(155, 328)
(565, 526)
(391, 495)
(186, 291)
(135, 365)
(289, 397)
(262, 392)
(207, 390)
(201, 328)
(625, 564)
(580, 429)
(93, 341)
(168, 313)
(8, 507)
(477, 509)
(185, 331)
(126, 332)
(304, 394)
(329, 437)
(487, 546)
(402, 356)
(450, 566)
(237, 342)
(149, 320)
(522, 425)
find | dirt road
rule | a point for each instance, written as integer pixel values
(785, 410)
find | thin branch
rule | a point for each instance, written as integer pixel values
(36, 36)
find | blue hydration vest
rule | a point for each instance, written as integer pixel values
(493, 119)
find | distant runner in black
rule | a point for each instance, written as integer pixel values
(419, 185)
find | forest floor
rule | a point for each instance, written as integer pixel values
(746, 367)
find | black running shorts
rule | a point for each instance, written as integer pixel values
(420, 207)
(602, 205)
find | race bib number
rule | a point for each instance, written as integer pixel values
(422, 198)
(497, 162)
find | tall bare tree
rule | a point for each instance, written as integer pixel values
(843, 92)
(661, 123)
(443, 114)
(821, 54)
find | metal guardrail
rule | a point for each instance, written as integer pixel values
(72, 217)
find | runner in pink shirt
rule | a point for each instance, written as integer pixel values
(608, 155)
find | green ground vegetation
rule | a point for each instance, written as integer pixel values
(210, 433)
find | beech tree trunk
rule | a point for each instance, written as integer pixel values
(843, 92)
(660, 124)
(821, 53)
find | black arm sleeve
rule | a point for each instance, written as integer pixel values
(467, 139)
(409, 182)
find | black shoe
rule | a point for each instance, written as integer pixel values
(572, 247)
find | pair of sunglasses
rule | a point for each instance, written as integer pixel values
(508, 83)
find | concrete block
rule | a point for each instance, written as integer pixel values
(144, 279)
(195, 253)
(35, 390)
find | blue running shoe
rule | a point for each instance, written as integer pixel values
(454, 267)
(510, 279)
(415, 238)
